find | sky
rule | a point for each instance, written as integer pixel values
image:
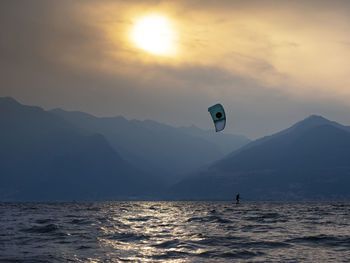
(270, 63)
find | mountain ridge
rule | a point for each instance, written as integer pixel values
(156, 147)
(308, 161)
(43, 157)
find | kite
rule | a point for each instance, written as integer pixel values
(218, 115)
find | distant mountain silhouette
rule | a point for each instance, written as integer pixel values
(158, 148)
(44, 157)
(308, 161)
(224, 141)
(59, 155)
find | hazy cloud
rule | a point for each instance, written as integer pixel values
(270, 63)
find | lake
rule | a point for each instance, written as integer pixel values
(175, 232)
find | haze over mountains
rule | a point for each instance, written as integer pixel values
(43, 157)
(157, 148)
(60, 155)
(308, 161)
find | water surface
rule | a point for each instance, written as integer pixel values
(174, 232)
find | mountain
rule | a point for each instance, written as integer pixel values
(308, 161)
(157, 148)
(44, 157)
(224, 141)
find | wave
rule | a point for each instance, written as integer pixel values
(128, 237)
(169, 231)
(211, 218)
(323, 240)
(42, 229)
(240, 254)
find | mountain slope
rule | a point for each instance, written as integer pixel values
(226, 142)
(310, 160)
(154, 147)
(43, 157)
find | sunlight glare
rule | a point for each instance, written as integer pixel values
(154, 34)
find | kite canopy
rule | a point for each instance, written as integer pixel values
(218, 115)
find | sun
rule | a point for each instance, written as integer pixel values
(154, 34)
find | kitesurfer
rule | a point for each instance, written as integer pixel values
(237, 198)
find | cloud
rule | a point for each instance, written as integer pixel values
(270, 63)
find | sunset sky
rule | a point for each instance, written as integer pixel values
(270, 63)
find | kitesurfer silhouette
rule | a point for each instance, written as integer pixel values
(237, 199)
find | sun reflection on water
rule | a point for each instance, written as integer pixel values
(178, 232)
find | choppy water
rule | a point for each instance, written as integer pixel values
(174, 232)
